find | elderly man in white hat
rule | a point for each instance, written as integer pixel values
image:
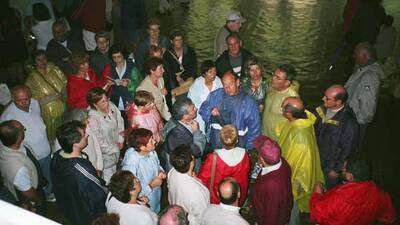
(234, 21)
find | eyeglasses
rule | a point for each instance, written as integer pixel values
(327, 98)
(275, 77)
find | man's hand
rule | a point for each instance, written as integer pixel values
(215, 111)
(194, 125)
(162, 174)
(333, 175)
(125, 82)
(156, 182)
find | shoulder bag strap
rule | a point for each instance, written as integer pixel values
(177, 60)
(213, 168)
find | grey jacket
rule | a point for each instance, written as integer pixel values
(363, 90)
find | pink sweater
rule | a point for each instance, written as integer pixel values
(150, 120)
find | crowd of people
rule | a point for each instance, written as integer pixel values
(107, 133)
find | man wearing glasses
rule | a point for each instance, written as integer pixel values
(336, 130)
(282, 86)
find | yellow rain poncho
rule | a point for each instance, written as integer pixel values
(49, 90)
(272, 114)
(299, 148)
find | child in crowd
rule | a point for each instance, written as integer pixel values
(143, 114)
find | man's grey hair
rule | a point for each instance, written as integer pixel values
(367, 48)
(103, 34)
(59, 23)
(75, 114)
(175, 213)
(181, 108)
(297, 113)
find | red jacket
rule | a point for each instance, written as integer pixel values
(240, 172)
(354, 203)
(77, 89)
(94, 15)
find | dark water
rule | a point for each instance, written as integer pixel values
(305, 33)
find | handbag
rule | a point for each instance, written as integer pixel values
(183, 87)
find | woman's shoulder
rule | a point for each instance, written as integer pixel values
(131, 154)
(113, 107)
(198, 82)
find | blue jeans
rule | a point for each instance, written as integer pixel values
(45, 167)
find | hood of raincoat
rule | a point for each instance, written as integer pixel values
(305, 122)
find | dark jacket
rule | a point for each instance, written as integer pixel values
(272, 196)
(366, 23)
(98, 61)
(80, 193)
(240, 110)
(133, 14)
(60, 55)
(176, 134)
(118, 91)
(172, 66)
(143, 48)
(223, 65)
(336, 137)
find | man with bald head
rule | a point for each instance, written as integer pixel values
(27, 111)
(59, 48)
(363, 86)
(336, 130)
(297, 140)
(19, 168)
(227, 212)
(173, 215)
(231, 105)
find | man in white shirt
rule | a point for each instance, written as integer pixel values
(184, 188)
(18, 166)
(227, 212)
(26, 110)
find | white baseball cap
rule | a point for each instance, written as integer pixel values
(235, 16)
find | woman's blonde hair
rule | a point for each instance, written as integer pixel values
(229, 136)
(253, 62)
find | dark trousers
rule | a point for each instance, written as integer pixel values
(361, 137)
